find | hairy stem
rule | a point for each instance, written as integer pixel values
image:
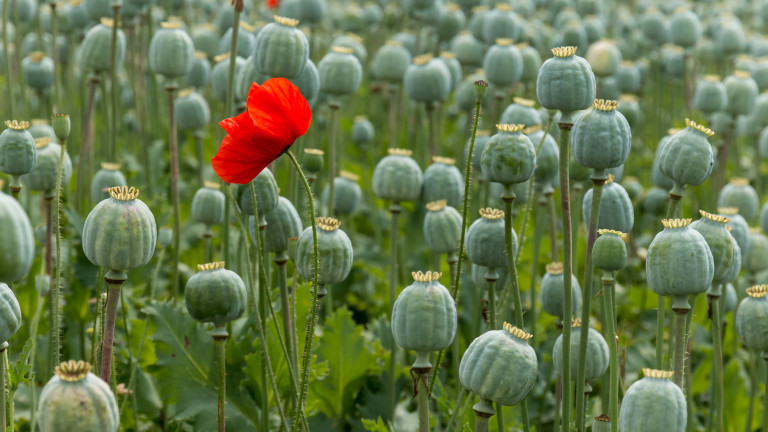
(220, 336)
(608, 283)
(395, 210)
(680, 316)
(333, 126)
(565, 206)
(174, 148)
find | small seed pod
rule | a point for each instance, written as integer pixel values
(655, 26)
(597, 353)
(41, 128)
(340, 72)
(108, 176)
(362, 131)
(427, 80)
(220, 74)
(547, 159)
(755, 259)
(443, 181)
(742, 93)
(266, 194)
(424, 317)
(477, 21)
(572, 33)
(43, 175)
(764, 216)
(521, 111)
(38, 70)
(96, 47)
(120, 232)
(486, 364)
(481, 140)
(501, 22)
(452, 21)
(206, 38)
(654, 204)
(468, 49)
(18, 246)
(485, 241)
(552, 291)
(751, 319)
(722, 245)
(390, 62)
(616, 212)
(738, 193)
(653, 403)
(353, 42)
(313, 11)
(687, 157)
(76, 399)
(215, 295)
(347, 194)
(208, 205)
(738, 226)
(685, 28)
(630, 109)
(334, 253)
(397, 177)
(503, 63)
(245, 40)
(679, 263)
(308, 83)
(609, 253)
(659, 178)
(454, 67)
(481, 283)
(192, 111)
(61, 124)
(17, 149)
(565, 82)
(628, 79)
(10, 313)
(199, 73)
(442, 228)
(601, 137)
(281, 49)
(245, 75)
(313, 160)
(509, 157)
(604, 57)
(282, 223)
(710, 95)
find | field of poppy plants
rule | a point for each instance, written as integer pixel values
(384, 216)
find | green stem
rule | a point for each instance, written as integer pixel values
(228, 108)
(333, 126)
(9, 402)
(395, 210)
(198, 136)
(432, 132)
(207, 249)
(423, 400)
(598, 180)
(7, 59)
(608, 284)
(391, 116)
(112, 148)
(220, 336)
(538, 233)
(280, 259)
(717, 364)
(174, 149)
(752, 391)
(56, 286)
(33, 335)
(114, 280)
(310, 335)
(680, 316)
(578, 189)
(481, 423)
(452, 260)
(3, 386)
(565, 205)
(660, 319)
(55, 56)
(550, 197)
(765, 398)
(84, 161)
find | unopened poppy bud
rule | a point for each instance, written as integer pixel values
(164, 236)
(61, 126)
(481, 87)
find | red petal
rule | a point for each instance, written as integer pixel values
(236, 162)
(278, 109)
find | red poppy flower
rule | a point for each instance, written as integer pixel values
(272, 4)
(277, 114)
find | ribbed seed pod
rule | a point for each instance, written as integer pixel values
(220, 75)
(308, 83)
(171, 51)
(653, 403)
(722, 245)
(362, 131)
(738, 193)
(96, 47)
(565, 82)
(41, 128)
(509, 157)
(192, 111)
(616, 212)
(206, 39)
(266, 194)
(313, 11)
(655, 26)
(503, 63)
(38, 70)
(521, 111)
(481, 140)
(477, 21)
(208, 204)
(609, 252)
(500, 22)
(755, 259)
(547, 159)
(199, 72)
(731, 39)
(531, 62)
(738, 226)
(710, 95)
(215, 295)
(628, 78)
(347, 193)
(281, 49)
(604, 57)
(313, 160)
(742, 93)
(108, 176)
(120, 232)
(442, 228)
(340, 72)
(601, 137)
(245, 40)
(390, 62)
(76, 399)
(597, 353)
(427, 79)
(684, 28)
(687, 157)
(631, 110)
(752, 317)
(17, 149)
(353, 42)
(282, 223)
(43, 175)
(454, 67)
(10, 313)
(452, 21)
(424, 317)
(469, 50)
(334, 252)
(679, 263)
(443, 181)
(18, 246)
(485, 244)
(397, 177)
(551, 293)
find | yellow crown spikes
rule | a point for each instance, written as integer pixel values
(483, 133)
(741, 74)
(447, 55)
(314, 151)
(690, 123)
(565, 51)
(290, 22)
(201, 55)
(504, 7)
(211, 185)
(609, 231)
(17, 125)
(728, 210)
(739, 181)
(609, 179)
(349, 176)
(247, 27)
(110, 166)
(531, 129)
(73, 371)
(328, 224)
(443, 160)
(211, 266)
(491, 213)
(170, 25)
(42, 142)
(524, 102)
(520, 334)
(221, 57)
(426, 277)
(510, 127)
(554, 268)
(421, 60)
(107, 22)
(504, 41)
(576, 322)
(605, 105)
(659, 374)
(185, 93)
(123, 193)
(676, 223)
(399, 152)
(712, 78)
(342, 49)
(714, 217)
(436, 205)
(36, 56)
(393, 43)
(757, 291)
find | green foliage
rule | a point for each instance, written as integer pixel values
(377, 426)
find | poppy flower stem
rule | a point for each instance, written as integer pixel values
(310, 335)
(227, 112)
(174, 149)
(333, 126)
(112, 148)
(565, 206)
(7, 61)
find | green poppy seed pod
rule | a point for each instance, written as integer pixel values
(477, 20)
(199, 72)
(762, 142)
(755, 259)
(451, 22)
(722, 245)
(61, 126)
(171, 51)
(469, 50)
(684, 28)
(594, 27)
(730, 298)
(521, 111)
(443, 181)
(98, 9)
(164, 236)
(602, 423)
(673, 61)
(616, 212)
(710, 95)
(281, 49)
(340, 72)
(738, 193)
(739, 228)
(731, 39)
(245, 76)
(531, 62)
(43, 175)
(655, 26)
(631, 110)
(655, 202)
(565, 82)
(609, 252)
(347, 193)
(547, 159)
(633, 187)
(660, 179)
(220, 75)
(764, 216)
(96, 47)
(76, 399)
(283, 223)
(687, 157)
(18, 246)
(75, 16)
(485, 244)
(107, 177)
(41, 128)
(481, 140)
(501, 23)
(509, 157)
(308, 83)
(290, 9)
(752, 319)
(25, 9)
(424, 317)
(454, 67)
(679, 263)
(353, 42)
(503, 63)
(653, 403)
(17, 149)
(362, 131)
(192, 111)
(481, 283)
(120, 232)
(38, 70)
(206, 38)
(573, 34)
(390, 62)
(334, 252)
(552, 292)
(604, 57)
(397, 177)
(442, 228)
(427, 79)
(760, 73)
(215, 295)
(486, 364)
(372, 15)
(628, 78)
(313, 11)
(742, 93)
(266, 194)
(601, 137)
(597, 353)
(245, 40)
(208, 204)
(10, 313)
(313, 160)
